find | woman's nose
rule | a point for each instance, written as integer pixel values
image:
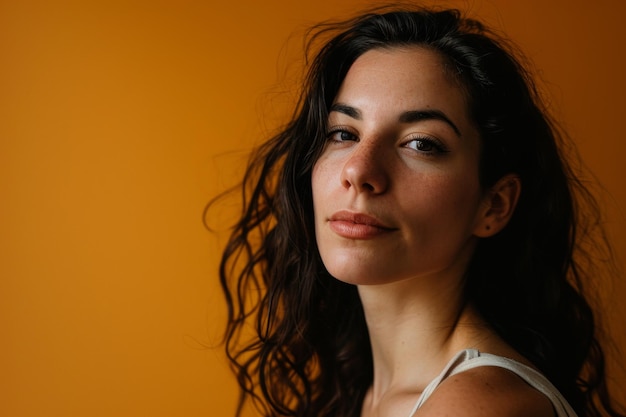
(365, 169)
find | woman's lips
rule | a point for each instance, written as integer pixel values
(356, 225)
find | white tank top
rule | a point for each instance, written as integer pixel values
(471, 358)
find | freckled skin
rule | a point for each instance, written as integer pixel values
(379, 165)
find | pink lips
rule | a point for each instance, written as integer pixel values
(356, 225)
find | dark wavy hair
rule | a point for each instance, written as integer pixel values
(296, 337)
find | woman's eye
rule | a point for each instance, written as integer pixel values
(341, 135)
(426, 145)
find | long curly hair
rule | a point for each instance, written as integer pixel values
(296, 337)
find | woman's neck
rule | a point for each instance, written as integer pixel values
(415, 328)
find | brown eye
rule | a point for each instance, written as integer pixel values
(341, 135)
(426, 145)
(422, 145)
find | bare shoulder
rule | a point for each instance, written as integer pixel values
(486, 392)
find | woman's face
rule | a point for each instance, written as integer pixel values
(396, 192)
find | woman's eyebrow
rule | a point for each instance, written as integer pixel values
(347, 110)
(410, 116)
(413, 116)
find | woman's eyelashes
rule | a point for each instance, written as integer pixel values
(341, 134)
(423, 144)
(427, 145)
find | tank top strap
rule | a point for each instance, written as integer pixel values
(458, 359)
(472, 358)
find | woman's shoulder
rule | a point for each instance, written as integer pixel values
(486, 391)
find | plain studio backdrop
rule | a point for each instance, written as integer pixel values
(120, 120)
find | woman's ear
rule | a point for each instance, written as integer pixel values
(498, 206)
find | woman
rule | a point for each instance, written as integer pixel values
(412, 242)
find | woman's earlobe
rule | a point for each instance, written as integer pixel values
(499, 205)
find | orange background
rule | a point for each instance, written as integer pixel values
(119, 120)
